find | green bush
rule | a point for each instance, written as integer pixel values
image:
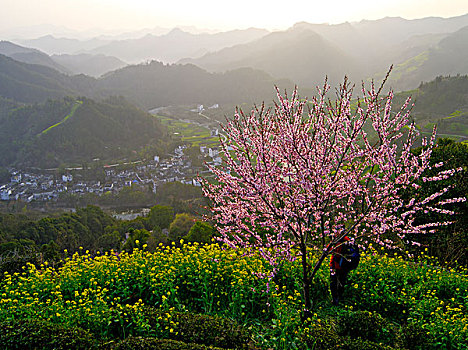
(137, 343)
(200, 329)
(361, 344)
(32, 334)
(14, 260)
(321, 336)
(368, 326)
(413, 336)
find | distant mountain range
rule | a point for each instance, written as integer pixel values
(307, 53)
(298, 54)
(168, 48)
(59, 46)
(448, 57)
(28, 55)
(93, 65)
(419, 49)
(62, 108)
(148, 85)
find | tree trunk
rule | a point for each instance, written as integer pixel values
(307, 279)
(305, 284)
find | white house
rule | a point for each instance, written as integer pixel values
(67, 178)
(213, 152)
(5, 194)
(16, 178)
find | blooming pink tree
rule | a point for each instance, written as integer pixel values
(300, 176)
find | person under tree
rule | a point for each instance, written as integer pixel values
(339, 270)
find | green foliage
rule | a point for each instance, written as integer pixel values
(320, 335)
(140, 343)
(201, 329)
(67, 231)
(177, 190)
(448, 243)
(180, 227)
(76, 131)
(157, 84)
(36, 334)
(390, 302)
(441, 102)
(51, 252)
(137, 239)
(201, 232)
(35, 83)
(367, 325)
(16, 257)
(148, 85)
(73, 109)
(362, 344)
(161, 215)
(109, 241)
(421, 294)
(156, 239)
(194, 153)
(414, 336)
(129, 197)
(4, 175)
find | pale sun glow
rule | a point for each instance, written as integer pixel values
(124, 15)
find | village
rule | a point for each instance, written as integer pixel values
(28, 186)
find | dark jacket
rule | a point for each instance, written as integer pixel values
(337, 254)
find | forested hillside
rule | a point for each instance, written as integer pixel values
(155, 84)
(442, 102)
(31, 83)
(75, 131)
(147, 85)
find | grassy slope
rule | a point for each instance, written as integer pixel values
(69, 115)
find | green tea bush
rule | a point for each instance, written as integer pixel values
(413, 336)
(140, 343)
(200, 329)
(32, 334)
(320, 336)
(368, 326)
(361, 344)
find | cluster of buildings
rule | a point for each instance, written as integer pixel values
(29, 186)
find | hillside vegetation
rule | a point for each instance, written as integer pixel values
(76, 131)
(391, 303)
(442, 102)
(446, 57)
(146, 85)
(156, 84)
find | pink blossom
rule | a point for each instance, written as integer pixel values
(301, 175)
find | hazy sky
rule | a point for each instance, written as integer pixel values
(123, 15)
